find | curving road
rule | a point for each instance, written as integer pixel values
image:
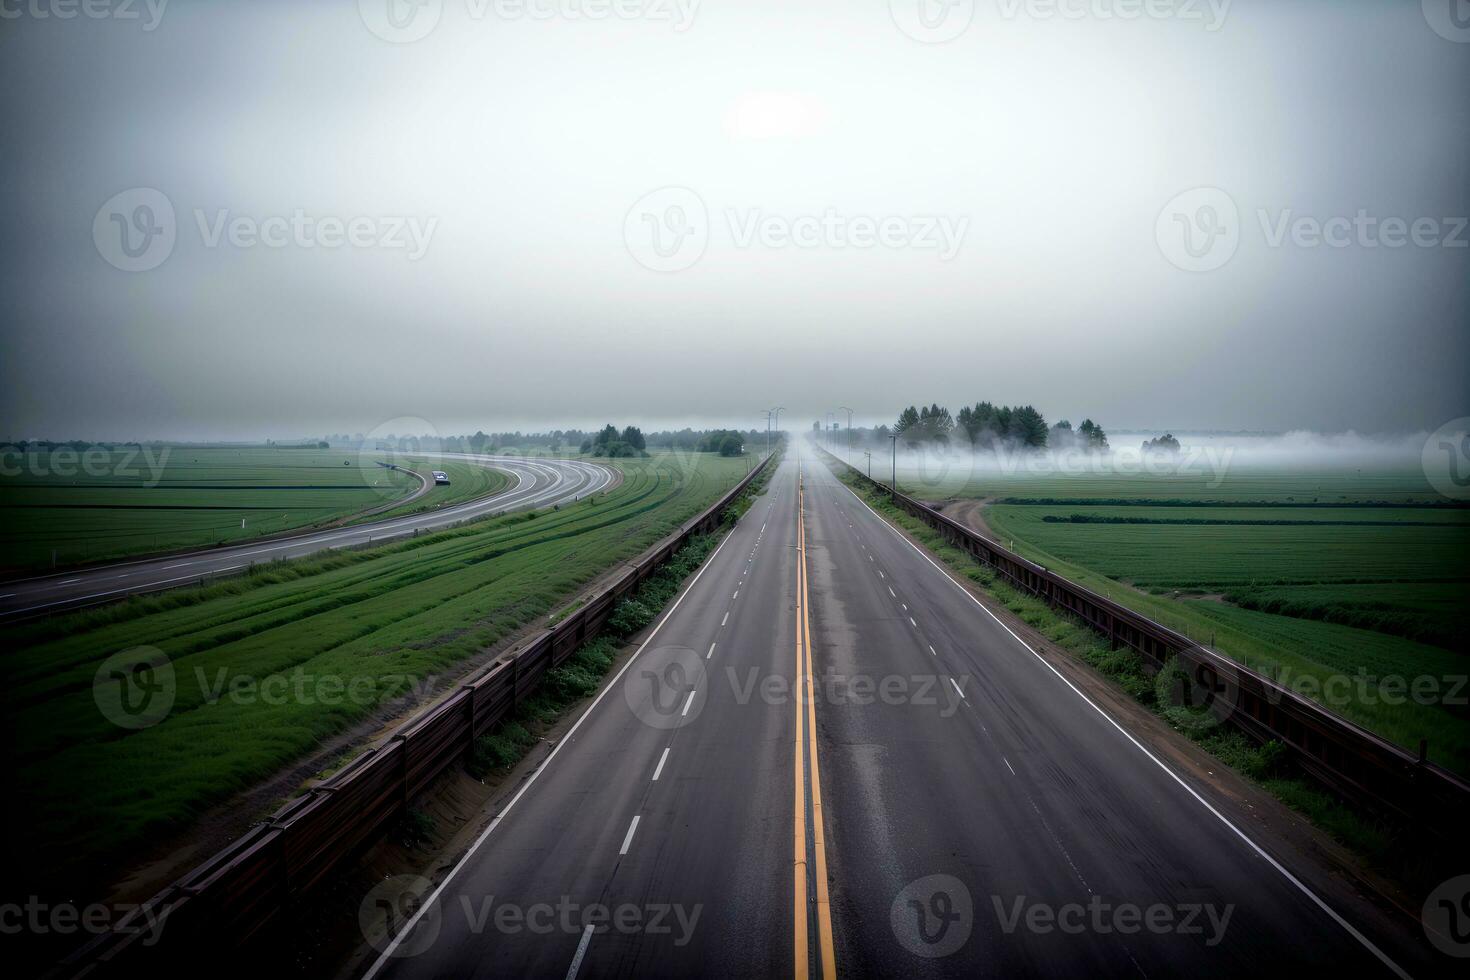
(538, 483)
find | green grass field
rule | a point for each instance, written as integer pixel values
(351, 630)
(1317, 577)
(122, 504)
(1195, 482)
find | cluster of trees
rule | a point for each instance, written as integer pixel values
(726, 442)
(987, 426)
(1088, 436)
(1165, 443)
(707, 440)
(611, 442)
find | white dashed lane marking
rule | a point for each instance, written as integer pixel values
(628, 840)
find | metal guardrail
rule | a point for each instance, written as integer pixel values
(1348, 759)
(243, 888)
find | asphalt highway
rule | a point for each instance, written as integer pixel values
(538, 483)
(945, 803)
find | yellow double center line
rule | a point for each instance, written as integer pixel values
(806, 706)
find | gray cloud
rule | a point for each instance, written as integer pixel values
(529, 141)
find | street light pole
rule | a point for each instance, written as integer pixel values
(849, 432)
(778, 410)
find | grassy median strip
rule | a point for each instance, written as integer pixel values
(1267, 765)
(257, 672)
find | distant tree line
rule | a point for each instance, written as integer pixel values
(1165, 443)
(988, 426)
(607, 441)
(611, 442)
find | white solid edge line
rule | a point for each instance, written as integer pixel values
(530, 781)
(581, 952)
(628, 838)
(1332, 913)
(661, 760)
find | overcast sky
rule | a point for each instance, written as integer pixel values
(690, 214)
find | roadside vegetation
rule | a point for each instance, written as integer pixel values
(265, 667)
